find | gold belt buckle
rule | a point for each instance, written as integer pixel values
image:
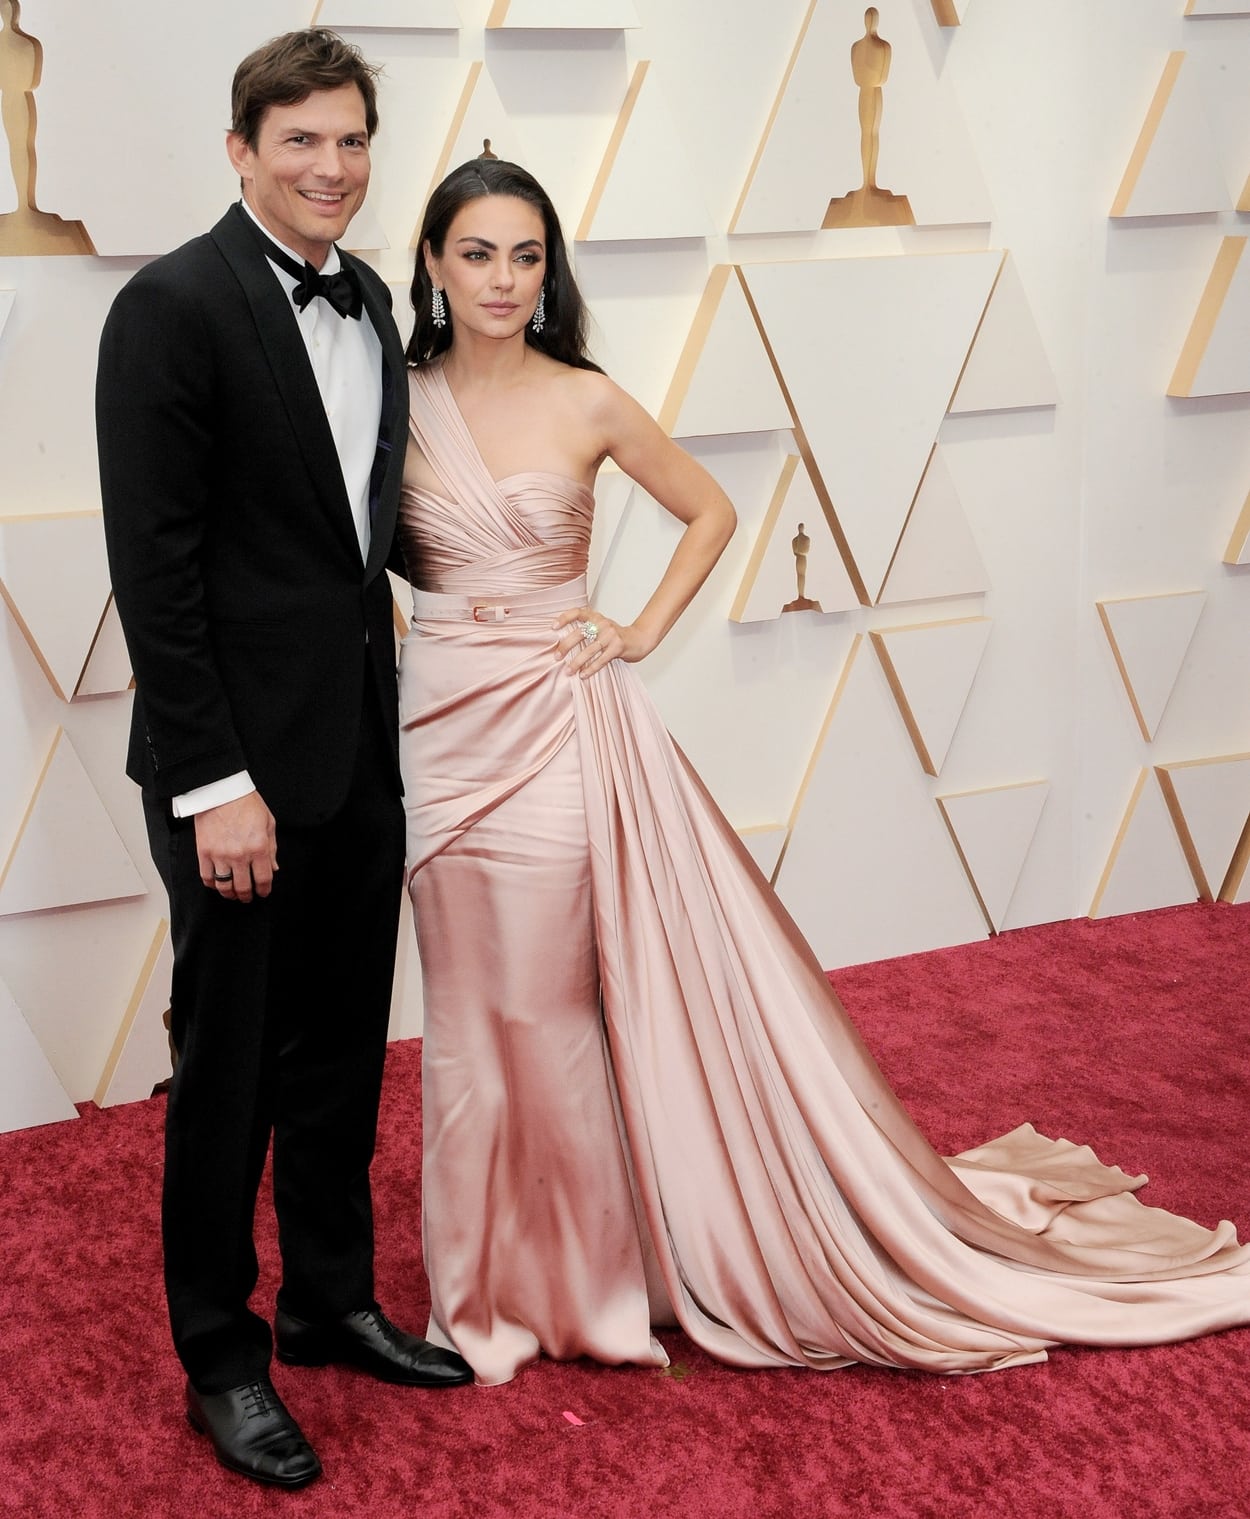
(493, 613)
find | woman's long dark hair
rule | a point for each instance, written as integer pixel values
(564, 327)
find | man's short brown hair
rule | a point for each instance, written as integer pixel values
(289, 69)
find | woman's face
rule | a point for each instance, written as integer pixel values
(492, 266)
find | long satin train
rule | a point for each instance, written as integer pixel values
(638, 1083)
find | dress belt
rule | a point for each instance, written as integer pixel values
(528, 606)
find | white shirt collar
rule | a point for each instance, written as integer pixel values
(331, 266)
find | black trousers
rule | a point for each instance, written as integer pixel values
(279, 1015)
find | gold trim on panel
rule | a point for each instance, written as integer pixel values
(1146, 137)
(963, 858)
(696, 341)
(1122, 833)
(924, 475)
(959, 378)
(1237, 543)
(764, 538)
(1123, 669)
(95, 639)
(137, 995)
(1214, 295)
(945, 12)
(813, 759)
(1188, 848)
(896, 685)
(30, 806)
(1231, 886)
(772, 116)
(613, 148)
(809, 457)
(1237, 860)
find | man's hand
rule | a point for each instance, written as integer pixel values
(238, 848)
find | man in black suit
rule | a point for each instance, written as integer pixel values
(251, 415)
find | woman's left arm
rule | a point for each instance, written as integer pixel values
(636, 443)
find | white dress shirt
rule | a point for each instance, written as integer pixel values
(346, 358)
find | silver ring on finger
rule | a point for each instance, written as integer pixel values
(590, 631)
(218, 876)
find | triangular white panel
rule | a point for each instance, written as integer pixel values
(1215, 360)
(613, 497)
(140, 1054)
(67, 851)
(770, 584)
(7, 297)
(1210, 802)
(1238, 550)
(810, 151)
(993, 830)
(1146, 867)
(869, 870)
(937, 554)
(30, 1092)
(646, 186)
(1007, 367)
(725, 381)
(54, 576)
(763, 844)
(870, 350)
(931, 667)
(1149, 637)
(1175, 167)
(556, 15)
(108, 665)
(1217, 8)
(480, 117)
(389, 15)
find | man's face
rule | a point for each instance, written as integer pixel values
(307, 175)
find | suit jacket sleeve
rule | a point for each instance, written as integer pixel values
(154, 416)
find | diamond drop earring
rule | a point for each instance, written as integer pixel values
(438, 307)
(540, 311)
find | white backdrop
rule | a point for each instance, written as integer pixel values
(1066, 475)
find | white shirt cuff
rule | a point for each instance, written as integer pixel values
(228, 789)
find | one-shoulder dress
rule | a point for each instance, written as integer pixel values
(642, 1100)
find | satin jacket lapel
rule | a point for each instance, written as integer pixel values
(393, 428)
(288, 361)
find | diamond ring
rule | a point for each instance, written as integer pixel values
(590, 631)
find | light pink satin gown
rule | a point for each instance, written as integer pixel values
(642, 1098)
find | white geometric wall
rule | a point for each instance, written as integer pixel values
(1015, 432)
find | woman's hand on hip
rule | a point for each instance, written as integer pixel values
(588, 641)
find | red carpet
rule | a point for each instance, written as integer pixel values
(1129, 1034)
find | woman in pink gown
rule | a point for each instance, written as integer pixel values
(642, 1100)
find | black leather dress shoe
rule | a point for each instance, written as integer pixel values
(369, 1341)
(253, 1433)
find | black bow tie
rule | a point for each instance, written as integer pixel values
(341, 291)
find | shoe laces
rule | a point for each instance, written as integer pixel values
(258, 1400)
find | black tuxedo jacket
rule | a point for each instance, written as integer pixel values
(250, 619)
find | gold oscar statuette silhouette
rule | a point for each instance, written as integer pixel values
(870, 205)
(486, 152)
(27, 230)
(801, 546)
